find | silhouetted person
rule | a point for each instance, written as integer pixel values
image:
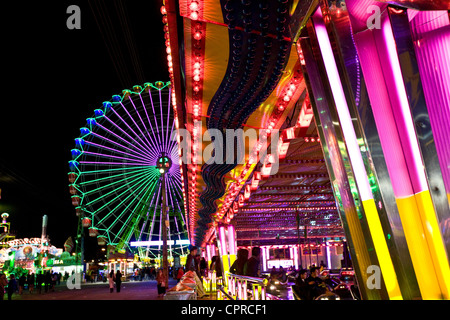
(111, 281)
(47, 280)
(316, 285)
(301, 286)
(12, 286)
(238, 265)
(118, 280)
(39, 281)
(251, 268)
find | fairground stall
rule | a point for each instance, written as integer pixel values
(28, 254)
(32, 255)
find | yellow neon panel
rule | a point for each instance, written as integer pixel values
(226, 269)
(382, 251)
(232, 259)
(418, 248)
(217, 50)
(361, 251)
(434, 239)
(294, 6)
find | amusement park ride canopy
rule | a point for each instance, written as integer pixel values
(239, 68)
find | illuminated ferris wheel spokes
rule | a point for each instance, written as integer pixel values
(115, 184)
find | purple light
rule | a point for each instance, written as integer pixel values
(117, 151)
(402, 113)
(208, 252)
(128, 142)
(264, 258)
(148, 119)
(342, 107)
(383, 116)
(115, 157)
(112, 163)
(231, 239)
(296, 257)
(113, 142)
(124, 132)
(132, 119)
(223, 241)
(431, 35)
(167, 125)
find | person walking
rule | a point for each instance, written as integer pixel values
(3, 284)
(203, 267)
(12, 286)
(192, 265)
(30, 281)
(118, 280)
(54, 280)
(161, 283)
(180, 274)
(47, 280)
(251, 267)
(22, 281)
(39, 281)
(216, 266)
(111, 281)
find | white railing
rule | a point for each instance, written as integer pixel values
(247, 288)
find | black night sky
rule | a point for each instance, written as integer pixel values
(54, 78)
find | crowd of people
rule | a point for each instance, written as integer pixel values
(42, 281)
(245, 266)
(310, 286)
(307, 286)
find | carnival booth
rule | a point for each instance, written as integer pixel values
(27, 253)
(124, 262)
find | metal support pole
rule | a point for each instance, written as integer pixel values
(164, 228)
(298, 238)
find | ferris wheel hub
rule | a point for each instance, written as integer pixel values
(163, 163)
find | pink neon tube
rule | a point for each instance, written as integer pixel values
(264, 258)
(400, 108)
(384, 118)
(223, 241)
(208, 252)
(231, 240)
(342, 107)
(431, 34)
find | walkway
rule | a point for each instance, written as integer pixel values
(132, 290)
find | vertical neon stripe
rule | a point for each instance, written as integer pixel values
(420, 255)
(405, 127)
(384, 258)
(224, 254)
(360, 174)
(401, 111)
(425, 218)
(264, 259)
(434, 239)
(231, 244)
(328, 255)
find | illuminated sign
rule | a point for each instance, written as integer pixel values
(285, 263)
(22, 242)
(158, 243)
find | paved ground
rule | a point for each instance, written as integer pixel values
(133, 290)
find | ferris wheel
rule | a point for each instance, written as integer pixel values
(115, 185)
